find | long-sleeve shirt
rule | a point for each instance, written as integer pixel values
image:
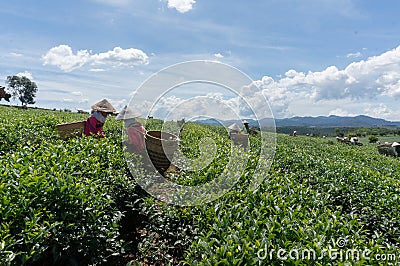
(136, 133)
(93, 126)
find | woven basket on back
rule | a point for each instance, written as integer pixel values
(240, 139)
(161, 146)
(387, 150)
(71, 129)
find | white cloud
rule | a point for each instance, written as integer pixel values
(16, 54)
(68, 100)
(26, 74)
(121, 57)
(341, 112)
(63, 57)
(370, 86)
(218, 55)
(379, 110)
(212, 105)
(374, 79)
(354, 55)
(362, 87)
(378, 75)
(118, 104)
(76, 93)
(97, 70)
(181, 6)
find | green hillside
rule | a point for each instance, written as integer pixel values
(74, 202)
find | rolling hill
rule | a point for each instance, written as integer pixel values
(319, 121)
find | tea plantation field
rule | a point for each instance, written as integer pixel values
(74, 202)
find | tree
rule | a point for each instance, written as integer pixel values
(352, 134)
(373, 139)
(339, 133)
(23, 88)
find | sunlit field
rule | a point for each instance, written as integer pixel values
(75, 201)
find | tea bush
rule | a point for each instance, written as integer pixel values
(314, 195)
(59, 197)
(75, 201)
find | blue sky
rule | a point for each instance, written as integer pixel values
(308, 58)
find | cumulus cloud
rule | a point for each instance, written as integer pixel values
(218, 55)
(378, 75)
(365, 80)
(211, 105)
(370, 87)
(122, 57)
(181, 6)
(63, 57)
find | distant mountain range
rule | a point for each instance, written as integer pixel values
(336, 121)
(319, 121)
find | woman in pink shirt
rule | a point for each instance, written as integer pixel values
(134, 129)
(94, 124)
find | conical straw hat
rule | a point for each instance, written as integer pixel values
(395, 144)
(127, 113)
(234, 126)
(103, 106)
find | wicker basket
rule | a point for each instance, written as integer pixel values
(161, 146)
(240, 139)
(71, 129)
(386, 150)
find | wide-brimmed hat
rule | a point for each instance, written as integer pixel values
(234, 126)
(103, 106)
(127, 113)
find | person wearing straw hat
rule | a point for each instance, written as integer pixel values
(396, 147)
(134, 129)
(94, 124)
(234, 129)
